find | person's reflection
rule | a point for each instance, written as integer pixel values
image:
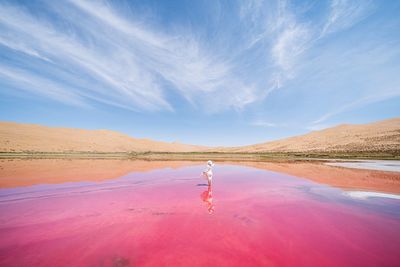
(206, 196)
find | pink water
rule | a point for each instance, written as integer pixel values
(168, 217)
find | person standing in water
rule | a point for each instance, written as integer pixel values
(206, 196)
(207, 173)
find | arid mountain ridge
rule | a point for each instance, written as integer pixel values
(378, 136)
(17, 137)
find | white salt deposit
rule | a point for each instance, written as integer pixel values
(379, 165)
(365, 195)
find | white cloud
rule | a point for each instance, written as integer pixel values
(262, 123)
(43, 87)
(21, 47)
(278, 31)
(290, 37)
(268, 124)
(125, 62)
(97, 53)
(356, 104)
(118, 79)
(346, 13)
(318, 127)
(251, 8)
(290, 44)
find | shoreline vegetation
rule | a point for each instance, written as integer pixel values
(201, 156)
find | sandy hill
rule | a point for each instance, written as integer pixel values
(378, 136)
(30, 137)
(382, 136)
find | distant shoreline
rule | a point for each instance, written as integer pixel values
(194, 156)
(378, 140)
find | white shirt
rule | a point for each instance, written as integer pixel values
(208, 172)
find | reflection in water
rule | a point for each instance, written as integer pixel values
(206, 196)
(143, 218)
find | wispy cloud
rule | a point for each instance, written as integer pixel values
(30, 82)
(262, 123)
(357, 104)
(91, 51)
(318, 127)
(288, 36)
(293, 42)
(21, 47)
(346, 13)
(121, 61)
(105, 72)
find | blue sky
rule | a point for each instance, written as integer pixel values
(200, 72)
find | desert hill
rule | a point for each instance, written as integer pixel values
(378, 136)
(17, 137)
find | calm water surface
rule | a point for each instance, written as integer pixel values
(170, 217)
(380, 165)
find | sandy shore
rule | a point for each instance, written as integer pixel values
(14, 173)
(344, 178)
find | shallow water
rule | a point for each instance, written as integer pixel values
(379, 165)
(170, 217)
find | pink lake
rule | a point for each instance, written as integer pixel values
(169, 217)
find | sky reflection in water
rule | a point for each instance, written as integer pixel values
(248, 217)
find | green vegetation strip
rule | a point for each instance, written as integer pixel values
(201, 156)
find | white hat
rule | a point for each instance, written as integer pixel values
(210, 163)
